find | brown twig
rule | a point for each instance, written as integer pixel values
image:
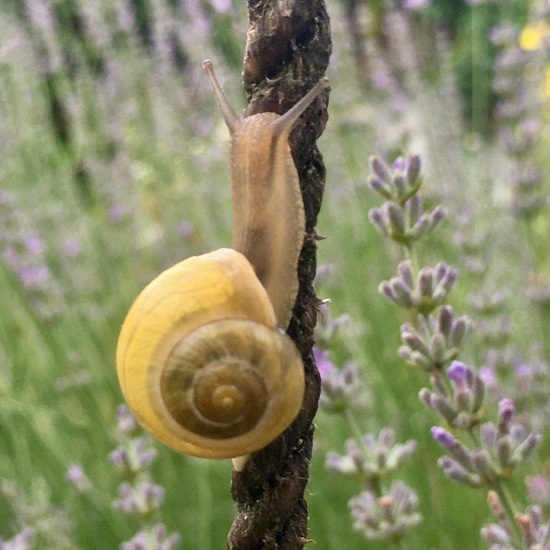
(287, 52)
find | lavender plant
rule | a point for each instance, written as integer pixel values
(457, 391)
(384, 510)
(138, 497)
(41, 523)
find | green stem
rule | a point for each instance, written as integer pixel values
(373, 483)
(410, 254)
(474, 438)
(357, 432)
(509, 509)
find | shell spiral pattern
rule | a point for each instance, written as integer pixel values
(202, 363)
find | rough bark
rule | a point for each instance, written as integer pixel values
(287, 52)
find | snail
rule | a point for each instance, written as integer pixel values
(203, 359)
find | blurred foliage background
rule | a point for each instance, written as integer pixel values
(113, 166)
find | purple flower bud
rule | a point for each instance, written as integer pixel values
(380, 187)
(77, 477)
(443, 408)
(395, 216)
(496, 535)
(455, 448)
(399, 185)
(437, 216)
(344, 465)
(488, 434)
(481, 461)
(414, 209)
(525, 449)
(445, 320)
(413, 340)
(443, 437)
(377, 218)
(401, 292)
(457, 371)
(413, 162)
(405, 272)
(386, 289)
(380, 168)
(152, 494)
(506, 413)
(386, 438)
(478, 393)
(459, 329)
(324, 366)
(420, 228)
(503, 452)
(425, 282)
(400, 454)
(399, 165)
(453, 470)
(126, 423)
(437, 348)
(425, 396)
(120, 458)
(447, 282)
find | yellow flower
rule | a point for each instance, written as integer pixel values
(532, 36)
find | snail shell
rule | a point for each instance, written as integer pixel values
(201, 362)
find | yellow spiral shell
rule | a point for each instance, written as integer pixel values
(201, 362)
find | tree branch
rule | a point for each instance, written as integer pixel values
(287, 52)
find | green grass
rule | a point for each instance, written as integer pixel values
(160, 151)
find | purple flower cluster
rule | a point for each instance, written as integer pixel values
(24, 253)
(155, 538)
(371, 458)
(503, 447)
(142, 500)
(77, 477)
(341, 389)
(437, 340)
(457, 396)
(425, 292)
(389, 516)
(22, 541)
(460, 407)
(401, 218)
(534, 532)
(134, 457)
(138, 497)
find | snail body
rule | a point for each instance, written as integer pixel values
(268, 210)
(202, 359)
